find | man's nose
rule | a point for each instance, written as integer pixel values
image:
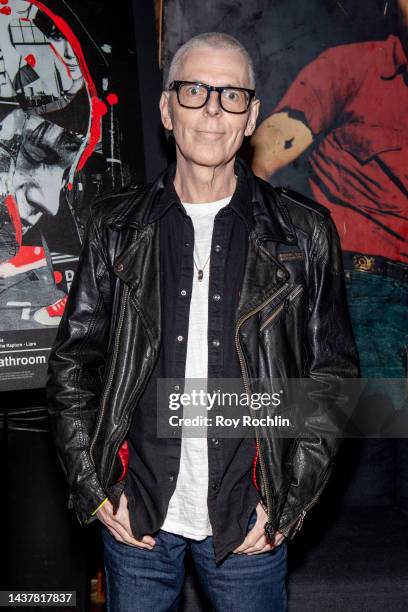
(213, 103)
(44, 194)
(68, 51)
(52, 196)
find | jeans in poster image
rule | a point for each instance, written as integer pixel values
(378, 307)
(139, 579)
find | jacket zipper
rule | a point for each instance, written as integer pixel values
(295, 292)
(112, 367)
(299, 520)
(268, 508)
(271, 317)
(120, 438)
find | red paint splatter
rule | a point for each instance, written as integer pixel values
(57, 276)
(97, 105)
(29, 256)
(12, 209)
(70, 186)
(6, 10)
(61, 59)
(30, 59)
(3, 1)
(112, 99)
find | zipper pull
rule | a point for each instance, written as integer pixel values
(300, 522)
(115, 500)
(269, 531)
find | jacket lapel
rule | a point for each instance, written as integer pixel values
(138, 265)
(138, 261)
(263, 276)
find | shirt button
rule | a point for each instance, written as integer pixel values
(214, 486)
(179, 338)
(280, 274)
(216, 342)
(177, 387)
(217, 248)
(171, 477)
(183, 292)
(216, 297)
(214, 440)
(186, 244)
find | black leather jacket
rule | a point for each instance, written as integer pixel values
(292, 321)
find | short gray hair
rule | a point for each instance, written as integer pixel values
(217, 40)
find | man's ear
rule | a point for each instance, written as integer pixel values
(165, 113)
(253, 115)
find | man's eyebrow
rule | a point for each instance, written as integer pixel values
(69, 140)
(233, 85)
(48, 150)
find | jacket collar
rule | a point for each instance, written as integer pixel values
(395, 60)
(240, 201)
(137, 264)
(255, 200)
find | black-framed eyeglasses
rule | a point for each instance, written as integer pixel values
(194, 94)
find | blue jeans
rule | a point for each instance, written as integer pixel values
(142, 580)
(378, 308)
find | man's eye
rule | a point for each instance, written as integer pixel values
(195, 90)
(231, 94)
(35, 155)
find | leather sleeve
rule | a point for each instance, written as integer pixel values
(332, 358)
(75, 370)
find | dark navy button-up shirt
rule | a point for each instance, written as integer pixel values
(153, 460)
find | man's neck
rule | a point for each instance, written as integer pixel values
(197, 184)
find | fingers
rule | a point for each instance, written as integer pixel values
(123, 517)
(255, 538)
(253, 545)
(119, 524)
(260, 548)
(256, 542)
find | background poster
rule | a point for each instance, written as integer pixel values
(336, 71)
(332, 79)
(68, 93)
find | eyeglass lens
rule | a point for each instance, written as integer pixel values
(194, 96)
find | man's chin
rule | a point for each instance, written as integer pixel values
(210, 160)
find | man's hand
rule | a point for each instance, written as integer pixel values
(256, 541)
(119, 524)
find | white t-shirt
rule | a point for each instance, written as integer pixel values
(187, 513)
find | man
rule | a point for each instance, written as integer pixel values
(205, 272)
(349, 109)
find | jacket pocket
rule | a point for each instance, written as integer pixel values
(270, 317)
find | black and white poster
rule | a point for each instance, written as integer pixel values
(68, 93)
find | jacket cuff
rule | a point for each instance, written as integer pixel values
(86, 499)
(100, 506)
(292, 529)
